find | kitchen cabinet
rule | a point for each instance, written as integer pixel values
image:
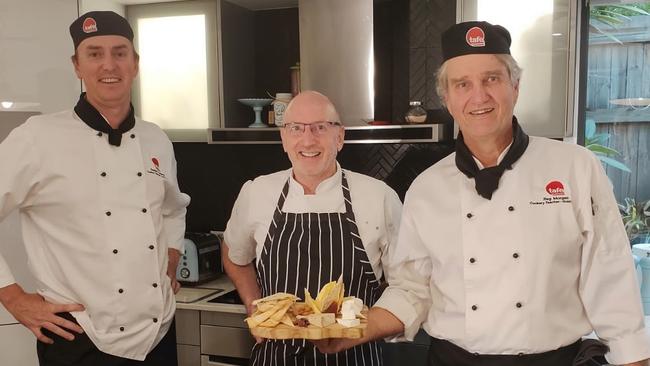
(257, 49)
(188, 355)
(188, 339)
(220, 337)
(226, 335)
(35, 69)
(17, 346)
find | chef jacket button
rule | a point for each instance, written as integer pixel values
(139, 174)
(108, 213)
(520, 354)
(114, 251)
(144, 210)
(121, 329)
(155, 320)
(519, 305)
(120, 290)
(151, 247)
(511, 208)
(103, 174)
(469, 215)
(155, 285)
(474, 307)
(515, 255)
(132, 136)
(99, 134)
(472, 260)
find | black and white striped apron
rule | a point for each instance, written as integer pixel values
(308, 250)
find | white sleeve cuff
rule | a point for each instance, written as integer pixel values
(395, 301)
(631, 348)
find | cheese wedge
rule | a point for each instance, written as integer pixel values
(319, 320)
(315, 307)
(330, 296)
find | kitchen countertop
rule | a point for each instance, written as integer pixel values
(222, 283)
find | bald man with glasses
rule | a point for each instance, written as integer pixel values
(306, 226)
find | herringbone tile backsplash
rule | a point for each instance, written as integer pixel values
(213, 174)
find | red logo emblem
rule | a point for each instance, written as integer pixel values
(475, 37)
(89, 26)
(156, 168)
(555, 188)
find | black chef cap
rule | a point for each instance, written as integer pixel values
(474, 37)
(99, 23)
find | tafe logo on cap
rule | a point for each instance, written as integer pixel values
(475, 37)
(89, 26)
(555, 188)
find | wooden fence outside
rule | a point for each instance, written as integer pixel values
(619, 71)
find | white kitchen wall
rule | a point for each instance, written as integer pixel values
(17, 343)
(36, 74)
(90, 5)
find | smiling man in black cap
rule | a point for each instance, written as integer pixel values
(102, 216)
(511, 249)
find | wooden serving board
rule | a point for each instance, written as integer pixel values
(283, 331)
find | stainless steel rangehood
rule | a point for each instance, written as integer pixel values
(336, 55)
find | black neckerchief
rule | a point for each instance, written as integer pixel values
(487, 179)
(94, 120)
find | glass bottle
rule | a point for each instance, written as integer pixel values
(415, 113)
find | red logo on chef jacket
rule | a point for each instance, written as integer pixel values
(555, 188)
(156, 168)
(475, 37)
(89, 25)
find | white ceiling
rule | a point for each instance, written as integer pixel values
(249, 4)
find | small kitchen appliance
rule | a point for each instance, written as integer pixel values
(201, 259)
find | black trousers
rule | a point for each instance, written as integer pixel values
(82, 352)
(445, 353)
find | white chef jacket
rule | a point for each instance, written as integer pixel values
(376, 206)
(97, 221)
(533, 269)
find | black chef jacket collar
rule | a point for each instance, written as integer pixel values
(96, 121)
(487, 179)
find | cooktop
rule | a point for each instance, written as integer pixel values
(231, 297)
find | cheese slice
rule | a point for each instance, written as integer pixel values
(348, 323)
(319, 320)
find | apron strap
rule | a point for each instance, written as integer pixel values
(356, 238)
(262, 275)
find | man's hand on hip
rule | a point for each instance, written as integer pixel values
(174, 257)
(35, 313)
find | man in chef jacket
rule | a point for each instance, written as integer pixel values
(303, 227)
(511, 249)
(102, 215)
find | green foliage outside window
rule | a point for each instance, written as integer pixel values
(610, 16)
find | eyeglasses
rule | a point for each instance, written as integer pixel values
(317, 128)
